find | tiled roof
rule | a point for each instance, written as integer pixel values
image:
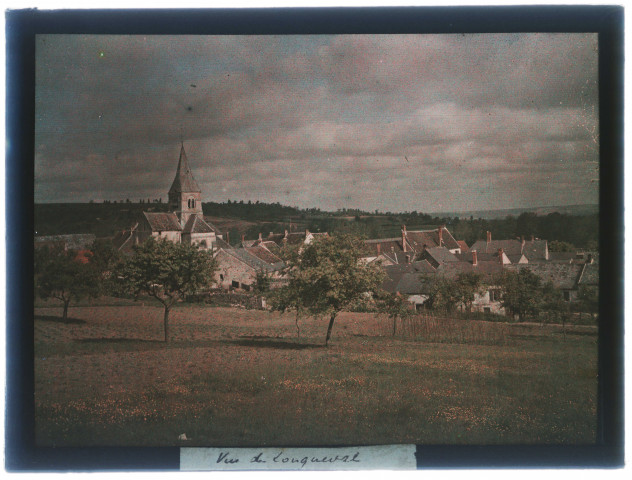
(487, 269)
(480, 256)
(438, 256)
(387, 245)
(513, 258)
(563, 257)
(184, 181)
(463, 245)
(253, 261)
(589, 274)
(405, 278)
(430, 238)
(163, 222)
(272, 246)
(510, 247)
(196, 224)
(221, 243)
(562, 275)
(535, 250)
(263, 254)
(411, 284)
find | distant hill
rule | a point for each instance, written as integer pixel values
(587, 209)
(578, 224)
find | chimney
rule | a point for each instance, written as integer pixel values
(441, 227)
(407, 258)
(404, 237)
(379, 249)
(500, 255)
(532, 238)
(589, 258)
(227, 237)
(489, 237)
(270, 236)
(306, 233)
(522, 242)
(474, 258)
(286, 234)
(261, 237)
(243, 238)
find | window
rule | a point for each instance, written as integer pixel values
(494, 295)
(567, 296)
(487, 310)
(235, 284)
(221, 277)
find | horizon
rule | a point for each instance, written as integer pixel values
(241, 201)
(432, 123)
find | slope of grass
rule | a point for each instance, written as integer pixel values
(236, 377)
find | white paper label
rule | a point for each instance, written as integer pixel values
(384, 457)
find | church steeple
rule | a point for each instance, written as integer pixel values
(184, 194)
(184, 181)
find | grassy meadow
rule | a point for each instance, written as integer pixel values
(242, 377)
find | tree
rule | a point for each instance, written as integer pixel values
(166, 271)
(447, 294)
(467, 286)
(394, 306)
(588, 296)
(442, 294)
(262, 282)
(559, 246)
(521, 292)
(552, 302)
(60, 274)
(326, 277)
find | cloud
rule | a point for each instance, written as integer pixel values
(320, 120)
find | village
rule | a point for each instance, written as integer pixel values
(410, 261)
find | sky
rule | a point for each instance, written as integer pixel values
(431, 123)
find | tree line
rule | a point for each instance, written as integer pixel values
(103, 220)
(324, 278)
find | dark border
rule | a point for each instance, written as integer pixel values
(22, 26)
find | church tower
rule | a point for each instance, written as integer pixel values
(185, 196)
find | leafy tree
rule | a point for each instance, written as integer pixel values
(448, 294)
(326, 277)
(521, 292)
(467, 286)
(395, 307)
(288, 299)
(60, 274)
(552, 302)
(166, 271)
(559, 246)
(441, 291)
(588, 297)
(262, 282)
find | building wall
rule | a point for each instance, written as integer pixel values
(483, 302)
(180, 204)
(233, 270)
(207, 240)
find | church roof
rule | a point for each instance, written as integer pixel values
(162, 222)
(184, 181)
(196, 224)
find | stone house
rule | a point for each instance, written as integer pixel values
(238, 267)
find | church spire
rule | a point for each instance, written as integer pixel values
(184, 181)
(185, 196)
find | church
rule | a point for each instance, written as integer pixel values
(183, 223)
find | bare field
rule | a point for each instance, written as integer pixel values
(242, 377)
